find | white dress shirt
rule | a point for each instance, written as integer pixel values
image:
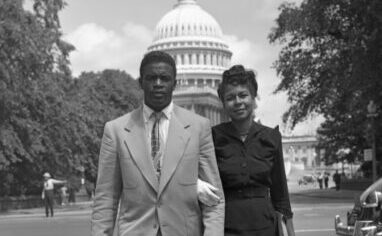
(49, 184)
(164, 124)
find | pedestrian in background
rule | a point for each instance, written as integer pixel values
(71, 194)
(48, 192)
(320, 178)
(63, 193)
(337, 180)
(326, 179)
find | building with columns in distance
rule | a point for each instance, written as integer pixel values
(302, 150)
(195, 40)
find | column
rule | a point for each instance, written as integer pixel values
(201, 59)
(214, 59)
(208, 59)
(186, 59)
(193, 59)
(218, 120)
(178, 60)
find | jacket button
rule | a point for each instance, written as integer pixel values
(155, 226)
(244, 164)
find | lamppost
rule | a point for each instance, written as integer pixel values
(372, 113)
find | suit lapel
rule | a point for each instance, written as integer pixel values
(178, 137)
(135, 140)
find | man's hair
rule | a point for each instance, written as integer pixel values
(157, 56)
(238, 75)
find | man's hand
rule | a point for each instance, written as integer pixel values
(207, 194)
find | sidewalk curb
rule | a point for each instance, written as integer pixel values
(42, 215)
(324, 194)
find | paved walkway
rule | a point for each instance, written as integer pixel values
(79, 208)
(327, 193)
(298, 195)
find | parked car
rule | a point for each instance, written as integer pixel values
(364, 219)
(307, 179)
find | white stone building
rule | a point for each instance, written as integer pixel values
(301, 151)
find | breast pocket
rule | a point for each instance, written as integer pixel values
(225, 153)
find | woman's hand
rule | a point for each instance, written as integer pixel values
(207, 194)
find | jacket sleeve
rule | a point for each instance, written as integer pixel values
(108, 188)
(279, 188)
(213, 217)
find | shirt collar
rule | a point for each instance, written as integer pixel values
(147, 111)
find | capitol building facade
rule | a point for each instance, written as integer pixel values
(195, 40)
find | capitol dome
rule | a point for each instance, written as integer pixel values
(195, 40)
(187, 19)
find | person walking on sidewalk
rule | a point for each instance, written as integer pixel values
(326, 179)
(320, 178)
(48, 194)
(337, 180)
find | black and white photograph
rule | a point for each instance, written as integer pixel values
(191, 118)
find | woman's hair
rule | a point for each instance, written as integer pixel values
(238, 75)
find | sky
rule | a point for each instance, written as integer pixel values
(115, 35)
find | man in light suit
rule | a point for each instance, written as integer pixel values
(150, 162)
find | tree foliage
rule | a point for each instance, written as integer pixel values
(33, 66)
(331, 64)
(48, 120)
(96, 99)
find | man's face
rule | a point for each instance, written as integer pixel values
(158, 82)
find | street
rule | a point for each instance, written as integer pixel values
(317, 220)
(313, 216)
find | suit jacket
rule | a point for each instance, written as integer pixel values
(127, 183)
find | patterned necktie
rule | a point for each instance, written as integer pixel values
(156, 142)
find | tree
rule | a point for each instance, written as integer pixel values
(33, 66)
(331, 64)
(97, 98)
(48, 120)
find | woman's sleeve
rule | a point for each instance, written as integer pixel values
(279, 188)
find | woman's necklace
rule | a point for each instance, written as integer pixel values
(243, 135)
(242, 130)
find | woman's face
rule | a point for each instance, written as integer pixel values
(238, 102)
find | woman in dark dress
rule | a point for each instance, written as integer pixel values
(250, 162)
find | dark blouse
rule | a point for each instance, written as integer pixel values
(255, 163)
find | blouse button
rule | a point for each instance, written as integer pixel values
(244, 164)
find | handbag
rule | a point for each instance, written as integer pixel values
(281, 224)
